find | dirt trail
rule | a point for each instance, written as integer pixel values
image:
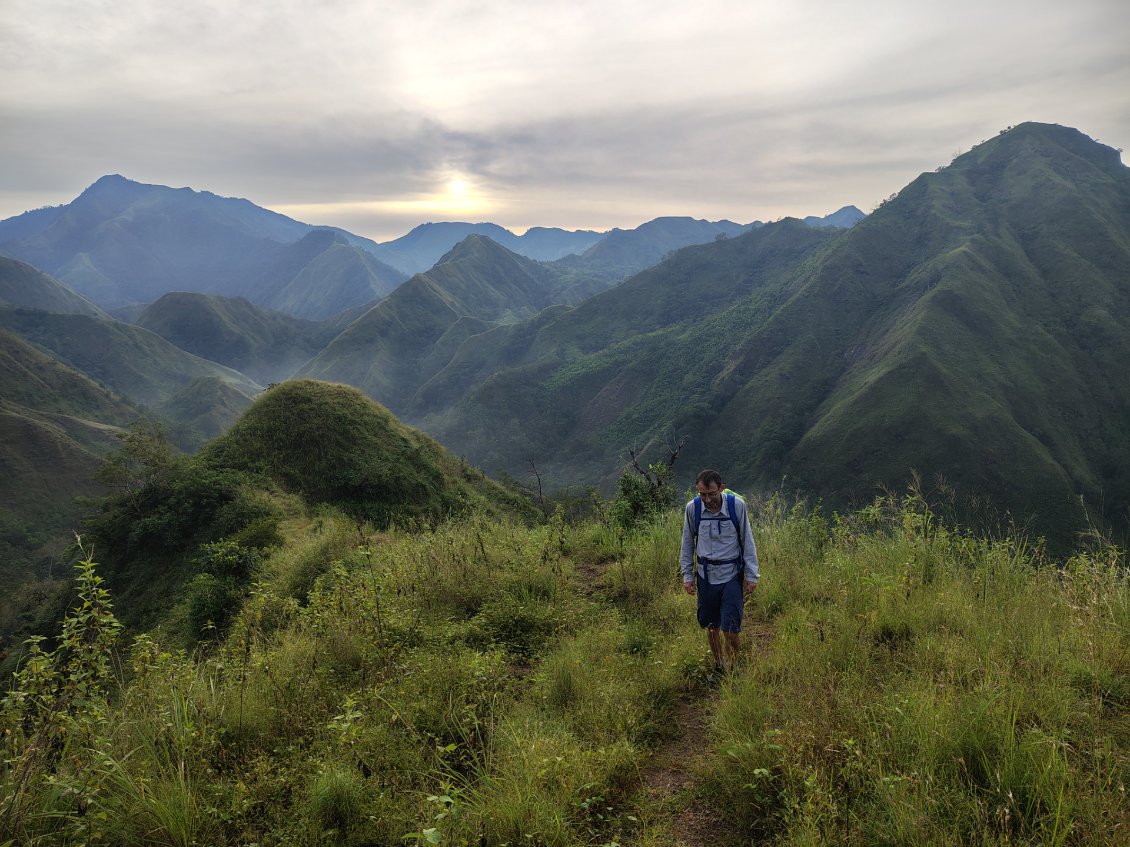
(669, 779)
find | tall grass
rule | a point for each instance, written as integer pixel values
(489, 682)
(928, 687)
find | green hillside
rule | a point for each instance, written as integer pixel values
(55, 427)
(573, 390)
(396, 346)
(321, 275)
(265, 345)
(128, 359)
(202, 410)
(24, 287)
(332, 444)
(968, 328)
(180, 532)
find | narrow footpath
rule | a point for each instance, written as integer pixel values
(670, 779)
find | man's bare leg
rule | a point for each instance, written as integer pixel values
(733, 645)
(715, 639)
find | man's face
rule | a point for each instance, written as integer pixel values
(711, 495)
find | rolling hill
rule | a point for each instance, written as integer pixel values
(332, 444)
(202, 410)
(55, 427)
(130, 360)
(266, 345)
(25, 287)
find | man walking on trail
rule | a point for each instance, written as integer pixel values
(719, 562)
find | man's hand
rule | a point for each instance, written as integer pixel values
(750, 587)
(689, 587)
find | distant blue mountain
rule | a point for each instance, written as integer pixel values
(844, 218)
(425, 245)
(123, 242)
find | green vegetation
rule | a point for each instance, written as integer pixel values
(336, 632)
(24, 287)
(188, 532)
(55, 427)
(485, 681)
(393, 350)
(966, 329)
(131, 361)
(265, 345)
(332, 444)
(201, 411)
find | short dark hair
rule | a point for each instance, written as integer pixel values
(708, 477)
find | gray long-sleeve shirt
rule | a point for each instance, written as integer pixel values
(718, 541)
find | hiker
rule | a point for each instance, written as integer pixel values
(716, 534)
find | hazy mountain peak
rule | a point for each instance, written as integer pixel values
(843, 218)
(476, 245)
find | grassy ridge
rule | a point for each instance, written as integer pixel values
(331, 444)
(487, 682)
(130, 360)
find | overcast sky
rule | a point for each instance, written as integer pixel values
(377, 116)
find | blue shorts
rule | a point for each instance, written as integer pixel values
(721, 606)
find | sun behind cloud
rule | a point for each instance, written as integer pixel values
(455, 197)
(458, 187)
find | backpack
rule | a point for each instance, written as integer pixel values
(733, 518)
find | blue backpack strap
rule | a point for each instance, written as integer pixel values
(697, 521)
(731, 504)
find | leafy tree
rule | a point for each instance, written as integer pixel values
(643, 493)
(145, 452)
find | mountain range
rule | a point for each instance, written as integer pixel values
(122, 242)
(971, 328)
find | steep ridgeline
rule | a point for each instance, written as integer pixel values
(398, 344)
(575, 388)
(130, 360)
(55, 427)
(123, 242)
(425, 245)
(321, 275)
(25, 287)
(265, 345)
(973, 327)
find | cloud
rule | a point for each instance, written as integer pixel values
(588, 114)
